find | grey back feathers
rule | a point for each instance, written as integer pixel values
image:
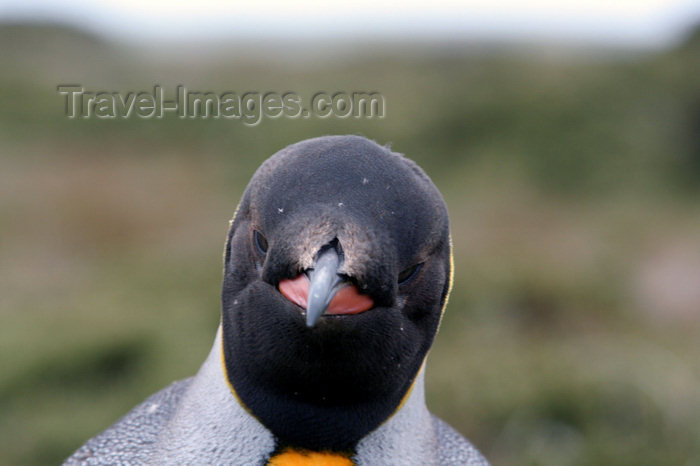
(194, 421)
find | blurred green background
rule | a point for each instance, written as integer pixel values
(572, 177)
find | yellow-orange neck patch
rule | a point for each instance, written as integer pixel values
(292, 457)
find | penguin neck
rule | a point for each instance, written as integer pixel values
(211, 416)
(406, 424)
(406, 437)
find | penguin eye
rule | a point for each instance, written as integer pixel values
(409, 273)
(260, 242)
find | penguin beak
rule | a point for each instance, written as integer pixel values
(322, 290)
(324, 284)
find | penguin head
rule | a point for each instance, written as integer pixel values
(337, 269)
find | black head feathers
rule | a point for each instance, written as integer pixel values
(368, 228)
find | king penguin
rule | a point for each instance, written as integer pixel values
(337, 269)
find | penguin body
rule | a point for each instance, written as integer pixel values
(196, 421)
(337, 271)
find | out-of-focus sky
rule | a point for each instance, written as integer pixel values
(645, 23)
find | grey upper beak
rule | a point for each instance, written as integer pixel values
(324, 284)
